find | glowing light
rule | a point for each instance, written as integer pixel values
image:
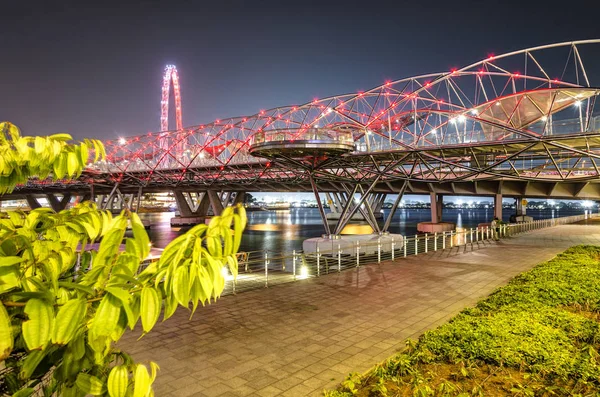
(578, 103)
(544, 118)
(452, 121)
(434, 131)
(587, 203)
(474, 112)
(303, 273)
(225, 273)
(329, 110)
(461, 118)
(498, 103)
(201, 155)
(122, 141)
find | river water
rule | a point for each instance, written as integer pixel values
(284, 230)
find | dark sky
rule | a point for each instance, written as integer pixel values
(95, 70)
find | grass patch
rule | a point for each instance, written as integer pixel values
(537, 336)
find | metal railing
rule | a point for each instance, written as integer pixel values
(265, 268)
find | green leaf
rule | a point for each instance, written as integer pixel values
(38, 328)
(118, 380)
(72, 163)
(6, 334)
(31, 362)
(150, 308)
(68, 320)
(28, 391)
(181, 286)
(140, 236)
(10, 260)
(106, 319)
(141, 381)
(89, 384)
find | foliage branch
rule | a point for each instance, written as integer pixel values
(64, 304)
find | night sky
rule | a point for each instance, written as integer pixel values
(95, 70)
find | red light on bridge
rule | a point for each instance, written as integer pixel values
(490, 57)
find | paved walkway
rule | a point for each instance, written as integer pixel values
(298, 339)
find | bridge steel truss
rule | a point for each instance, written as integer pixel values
(521, 123)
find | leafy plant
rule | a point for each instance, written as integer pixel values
(24, 157)
(539, 335)
(63, 305)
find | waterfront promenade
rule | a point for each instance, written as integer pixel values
(297, 339)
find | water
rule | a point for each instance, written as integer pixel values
(284, 230)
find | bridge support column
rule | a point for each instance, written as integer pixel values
(32, 201)
(215, 202)
(437, 202)
(57, 204)
(239, 198)
(436, 225)
(521, 209)
(498, 206)
(390, 216)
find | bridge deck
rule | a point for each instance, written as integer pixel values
(297, 339)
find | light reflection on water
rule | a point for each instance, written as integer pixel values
(284, 230)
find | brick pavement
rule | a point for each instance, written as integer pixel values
(300, 338)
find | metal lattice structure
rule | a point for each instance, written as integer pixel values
(528, 115)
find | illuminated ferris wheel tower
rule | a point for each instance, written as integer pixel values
(170, 75)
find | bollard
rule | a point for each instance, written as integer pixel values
(487, 232)
(318, 262)
(339, 258)
(435, 241)
(471, 232)
(444, 240)
(393, 248)
(266, 269)
(451, 239)
(477, 235)
(379, 250)
(426, 239)
(294, 263)
(404, 247)
(416, 245)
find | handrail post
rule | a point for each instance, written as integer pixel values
(443, 240)
(357, 254)
(451, 239)
(318, 262)
(471, 231)
(266, 269)
(339, 258)
(294, 263)
(379, 250)
(416, 244)
(393, 248)
(426, 240)
(435, 241)
(404, 244)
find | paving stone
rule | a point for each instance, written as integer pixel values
(300, 338)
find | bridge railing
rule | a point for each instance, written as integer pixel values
(308, 134)
(260, 269)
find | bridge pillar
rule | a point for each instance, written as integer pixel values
(32, 201)
(215, 202)
(437, 202)
(521, 209)
(498, 206)
(390, 216)
(58, 204)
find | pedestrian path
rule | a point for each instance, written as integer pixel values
(300, 338)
